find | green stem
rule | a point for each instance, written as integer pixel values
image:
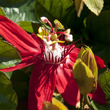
(86, 99)
(81, 103)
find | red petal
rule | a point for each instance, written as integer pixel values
(75, 50)
(26, 61)
(98, 95)
(42, 85)
(72, 48)
(16, 35)
(100, 62)
(66, 85)
(70, 60)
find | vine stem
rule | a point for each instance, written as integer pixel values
(87, 101)
(81, 102)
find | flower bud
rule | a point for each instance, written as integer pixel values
(87, 56)
(83, 76)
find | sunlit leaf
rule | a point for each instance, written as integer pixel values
(104, 81)
(83, 76)
(60, 105)
(94, 5)
(8, 55)
(49, 106)
(20, 11)
(8, 98)
(55, 105)
(2, 12)
(29, 26)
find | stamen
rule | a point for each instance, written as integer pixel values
(56, 27)
(45, 31)
(48, 38)
(69, 38)
(59, 24)
(45, 20)
(51, 26)
(59, 35)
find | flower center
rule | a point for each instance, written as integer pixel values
(53, 55)
(54, 52)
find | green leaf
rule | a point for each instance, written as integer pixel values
(8, 2)
(8, 55)
(2, 12)
(20, 11)
(30, 26)
(94, 5)
(20, 82)
(83, 76)
(55, 105)
(104, 81)
(64, 11)
(98, 106)
(98, 29)
(53, 9)
(8, 98)
(108, 106)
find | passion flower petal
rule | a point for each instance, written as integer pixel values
(66, 85)
(16, 35)
(42, 85)
(100, 62)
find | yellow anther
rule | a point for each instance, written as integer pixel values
(60, 26)
(68, 31)
(42, 31)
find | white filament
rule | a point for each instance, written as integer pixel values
(55, 53)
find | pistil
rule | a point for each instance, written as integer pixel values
(54, 46)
